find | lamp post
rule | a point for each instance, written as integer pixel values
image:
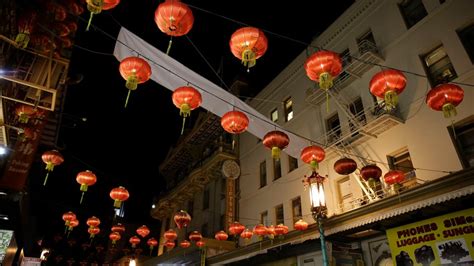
(318, 207)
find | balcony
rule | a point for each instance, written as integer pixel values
(355, 66)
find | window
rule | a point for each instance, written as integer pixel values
(345, 57)
(204, 230)
(276, 169)
(333, 128)
(288, 106)
(274, 115)
(357, 110)
(400, 160)
(463, 138)
(366, 42)
(279, 215)
(190, 208)
(412, 11)
(296, 208)
(344, 191)
(205, 199)
(264, 218)
(467, 38)
(292, 163)
(263, 174)
(438, 66)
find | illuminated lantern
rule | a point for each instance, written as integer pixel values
(246, 234)
(119, 195)
(65, 42)
(235, 122)
(281, 229)
(301, 225)
(43, 43)
(26, 24)
(85, 179)
(114, 236)
(371, 173)
(119, 228)
(445, 97)
(221, 236)
(387, 84)
(394, 177)
(185, 244)
(25, 112)
(323, 67)
(152, 243)
(276, 141)
(72, 224)
(235, 229)
(61, 29)
(143, 231)
(195, 236)
(345, 166)
(134, 240)
(169, 244)
(67, 218)
(271, 231)
(58, 11)
(93, 231)
(72, 26)
(134, 70)
(51, 159)
(248, 44)
(200, 244)
(174, 18)
(170, 235)
(96, 6)
(260, 230)
(75, 8)
(186, 99)
(313, 155)
(182, 219)
(93, 222)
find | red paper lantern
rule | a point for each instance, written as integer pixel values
(25, 112)
(65, 42)
(323, 67)
(72, 224)
(95, 7)
(58, 11)
(301, 225)
(186, 99)
(85, 179)
(221, 236)
(43, 43)
(26, 24)
(271, 231)
(61, 29)
(394, 177)
(68, 217)
(371, 173)
(174, 18)
(51, 159)
(313, 155)
(260, 230)
(152, 242)
(234, 122)
(236, 229)
(93, 222)
(281, 229)
(445, 97)
(170, 235)
(72, 26)
(195, 236)
(276, 141)
(134, 240)
(119, 195)
(182, 219)
(248, 44)
(93, 231)
(143, 231)
(134, 70)
(169, 244)
(246, 234)
(345, 166)
(185, 244)
(200, 244)
(114, 236)
(387, 84)
(119, 228)
(75, 8)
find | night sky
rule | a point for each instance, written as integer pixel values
(125, 146)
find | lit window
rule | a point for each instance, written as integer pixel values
(276, 169)
(264, 218)
(279, 215)
(463, 138)
(438, 66)
(263, 174)
(274, 115)
(467, 38)
(288, 106)
(292, 163)
(296, 208)
(412, 11)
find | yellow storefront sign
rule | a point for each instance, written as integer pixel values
(442, 240)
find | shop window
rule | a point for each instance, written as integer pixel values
(190, 208)
(438, 66)
(296, 208)
(276, 169)
(292, 163)
(467, 39)
(412, 11)
(334, 128)
(264, 218)
(288, 107)
(205, 199)
(263, 174)
(279, 215)
(274, 115)
(463, 139)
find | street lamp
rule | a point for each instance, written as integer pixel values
(318, 207)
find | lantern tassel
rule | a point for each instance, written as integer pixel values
(449, 110)
(82, 197)
(128, 96)
(169, 46)
(22, 40)
(151, 250)
(276, 153)
(327, 102)
(182, 127)
(325, 81)
(89, 22)
(46, 179)
(49, 166)
(117, 203)
(249, 58)
(391, 99)
(314, 165)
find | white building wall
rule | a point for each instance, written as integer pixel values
(424, 132)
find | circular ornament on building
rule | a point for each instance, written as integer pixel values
(231, 169)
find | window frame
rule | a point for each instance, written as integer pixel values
(463, 39)
(460, 127)
(288, 110)
(264, 218)
(277, 174)
(263, 174)
(277, 220)
(274, 111)
(408, 21)
(430, 73)
(296, 217)
(292, 166)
